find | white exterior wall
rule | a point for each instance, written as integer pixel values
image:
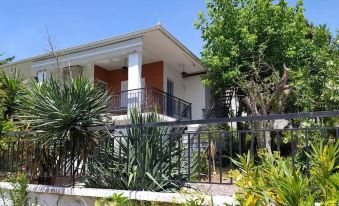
(195, 93)
(189, 89)
(24, 69)
(174, 75)
(28, 73)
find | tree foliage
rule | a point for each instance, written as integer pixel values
(248, 42)
(5, 61)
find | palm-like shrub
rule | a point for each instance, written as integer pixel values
(61, 111)
(144, 158)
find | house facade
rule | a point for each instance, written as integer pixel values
(149, 69)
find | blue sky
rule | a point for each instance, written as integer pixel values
(74, 22)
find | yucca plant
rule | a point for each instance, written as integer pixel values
(61, 111)
(143, 158)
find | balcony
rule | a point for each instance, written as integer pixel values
(150, 99)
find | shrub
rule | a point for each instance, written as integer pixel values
(61, 110)
(145, 158)
(14, 89)
(275, 180)
(18, 196)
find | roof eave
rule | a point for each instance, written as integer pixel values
(115, 39)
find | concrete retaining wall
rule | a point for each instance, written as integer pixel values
(67, 196)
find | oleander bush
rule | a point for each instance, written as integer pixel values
(275, 180)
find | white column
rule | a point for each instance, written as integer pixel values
(134, 79)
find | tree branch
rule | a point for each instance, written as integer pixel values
(281, 86)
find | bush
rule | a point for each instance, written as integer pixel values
(145, 158)
(18, 196)
(60, 110)
(275, 180)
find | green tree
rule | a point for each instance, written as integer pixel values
(268, 51)
(5, 61)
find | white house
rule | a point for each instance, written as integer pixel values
(148, 68)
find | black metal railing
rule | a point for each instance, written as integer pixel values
(220, 106)
(202, 159)
(150, 99)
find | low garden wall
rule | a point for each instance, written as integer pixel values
(77, 196)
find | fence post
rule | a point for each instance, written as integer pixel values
(220, 155)
(252, 143)
(307, 150)
(189, 156)
(72, 159)
(209, 157)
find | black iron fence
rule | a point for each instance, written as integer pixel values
(114, 152)
(150, 99)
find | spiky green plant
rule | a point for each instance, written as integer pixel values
(324, 163)
(61, 111)
(144, 158)
(276, 180)
(19, 194)
(14, 89)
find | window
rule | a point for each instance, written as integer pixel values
(41, 77)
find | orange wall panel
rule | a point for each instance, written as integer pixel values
(101, 74)
(153, 74)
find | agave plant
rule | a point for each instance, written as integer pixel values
(61, 111)
(144, 158)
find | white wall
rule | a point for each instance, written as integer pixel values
(28, 73)
(24, 69)
(189, 89)
(66, 196)
(174, 75)
(196, 93)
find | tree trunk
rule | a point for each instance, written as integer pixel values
(263, 135)
(241, 126)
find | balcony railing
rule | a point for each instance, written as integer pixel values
(150, 99)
